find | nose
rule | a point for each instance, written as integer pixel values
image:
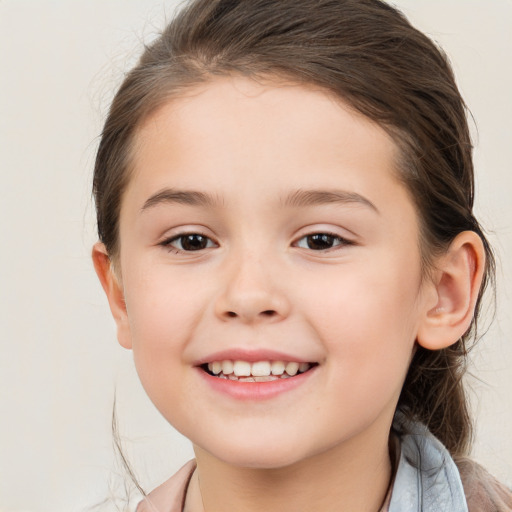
(252, 293)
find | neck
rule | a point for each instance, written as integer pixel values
(353, 476)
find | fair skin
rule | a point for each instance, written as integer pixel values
(304, 248)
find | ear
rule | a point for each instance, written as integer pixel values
(456, 285)
(113, 289)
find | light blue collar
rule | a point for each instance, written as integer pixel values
(427, 479)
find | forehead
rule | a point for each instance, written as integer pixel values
(239, 139)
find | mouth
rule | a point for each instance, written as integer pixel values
(257, 371)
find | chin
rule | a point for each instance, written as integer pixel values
(259, 455)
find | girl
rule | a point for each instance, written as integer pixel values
(284, 195)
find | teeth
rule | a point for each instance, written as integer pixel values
(246, 379)
(303, 367)
(268, 378)
(277, 367)
(259, 371)
(227, 367)
(292, 368)
(242, 368)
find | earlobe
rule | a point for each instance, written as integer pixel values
(457, 282)
(114, 292)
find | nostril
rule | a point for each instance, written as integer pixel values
(267, 313)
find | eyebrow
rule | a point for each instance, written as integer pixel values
(188, 197)
(297, 199)
(302, 198)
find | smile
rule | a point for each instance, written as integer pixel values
(258, 371)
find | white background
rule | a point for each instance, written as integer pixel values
(60, 62)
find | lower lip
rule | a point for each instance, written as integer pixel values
(255, 390)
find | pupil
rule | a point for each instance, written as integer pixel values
(320, 241)
(193, 242)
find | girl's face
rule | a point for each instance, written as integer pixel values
(265, 224)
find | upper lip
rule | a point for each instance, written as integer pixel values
(251, 356)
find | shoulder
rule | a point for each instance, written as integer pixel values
(169, 496)
(483, 492)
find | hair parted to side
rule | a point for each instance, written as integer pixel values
(367, 54)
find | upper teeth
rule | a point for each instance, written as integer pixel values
(257, 369)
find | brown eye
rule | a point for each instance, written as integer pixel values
(193, 242)
(190, 242)
(321, 241)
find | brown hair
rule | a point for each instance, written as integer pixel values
(367, 54)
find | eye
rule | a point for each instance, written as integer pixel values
(189, 242)
(321, 241)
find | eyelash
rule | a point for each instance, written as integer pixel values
(331, 237)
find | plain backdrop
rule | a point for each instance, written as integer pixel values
(60, 63)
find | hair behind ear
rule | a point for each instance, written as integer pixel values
(433, 391)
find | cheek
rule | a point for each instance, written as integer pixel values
(162, 317)
(161, 304)
(367, 318)
(374, 296)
